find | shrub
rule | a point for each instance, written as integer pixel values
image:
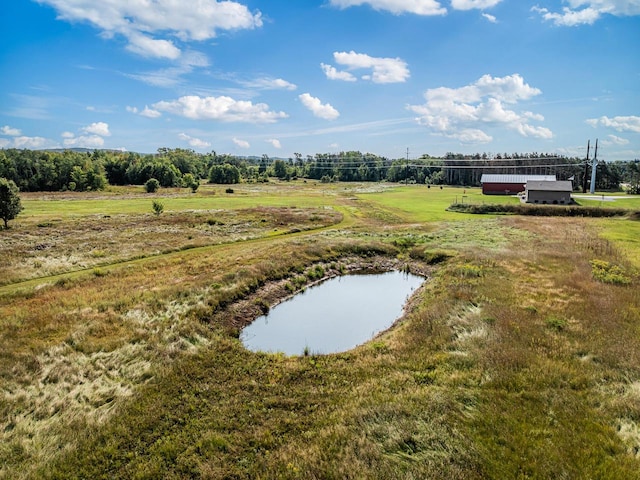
(151, 185)
(606, 272)
(555, 323)
(158, 207)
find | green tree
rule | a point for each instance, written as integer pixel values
(224, 174)
(151, 185)
(10, 205)
(280, 169)
(189, 181)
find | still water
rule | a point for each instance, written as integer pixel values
(334, 316)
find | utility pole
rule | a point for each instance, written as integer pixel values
(406, 169)
(586, 169)
(592, 190)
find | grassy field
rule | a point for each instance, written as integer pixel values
(120, 358)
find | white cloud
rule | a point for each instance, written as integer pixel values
(29, 142)
(84, 141)
(419, 7)
(615, 140)
(587, 12)
(194, 142)
(568, 17)
(620, 123)
(222, 108)
(146, 112)
(471, 4)
(490, 18)
(140, 20)
(241, 143)
(463, 112)
(150, 113)
(274, 142)
(4, 143)
(171, 76)
(10, 131)
(333, 74)
(98, 128)
(384, 70)
(93, 138)
(149, 47)
(319, 109)
(270, 84)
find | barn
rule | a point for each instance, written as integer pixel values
(510, 184)
(556, 193)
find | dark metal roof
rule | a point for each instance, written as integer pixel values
(494, 178)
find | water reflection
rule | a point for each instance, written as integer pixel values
(334, 316)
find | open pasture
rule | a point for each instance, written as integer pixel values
(119, 355)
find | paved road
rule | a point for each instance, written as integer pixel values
(605, 198)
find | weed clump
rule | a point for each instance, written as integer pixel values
(555, 323)
(431, 257)
(606, 272)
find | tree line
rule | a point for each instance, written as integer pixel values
(40, 170)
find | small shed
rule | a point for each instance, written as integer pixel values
(556, 193)
(509, 184)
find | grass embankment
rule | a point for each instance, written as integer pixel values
(514, 361)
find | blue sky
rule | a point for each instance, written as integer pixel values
(254, 77)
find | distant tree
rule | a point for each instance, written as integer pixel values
(151, 185)
(189, 181)
(280, 169)
(224, 174)
(10, 205)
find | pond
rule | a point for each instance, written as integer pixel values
(333, 316)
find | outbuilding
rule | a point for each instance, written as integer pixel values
(556, 193)
(509, 184)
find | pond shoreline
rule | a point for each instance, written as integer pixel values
(243, 312)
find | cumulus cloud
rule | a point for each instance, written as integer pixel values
(84, 141)
(140, 21)
(150, 113)
(97, 128)
(145, 112)
(463, 112)
(194, 142)
(383, 70)
(397, 7)
(29, 142)
(91, 136)
(275, 143)
(587, 12)
(10, 131)
(241, 143)
(620, 123)
(333, 74)
(319, 109)
(222, 108)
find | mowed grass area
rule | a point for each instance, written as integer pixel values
(518, 359)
